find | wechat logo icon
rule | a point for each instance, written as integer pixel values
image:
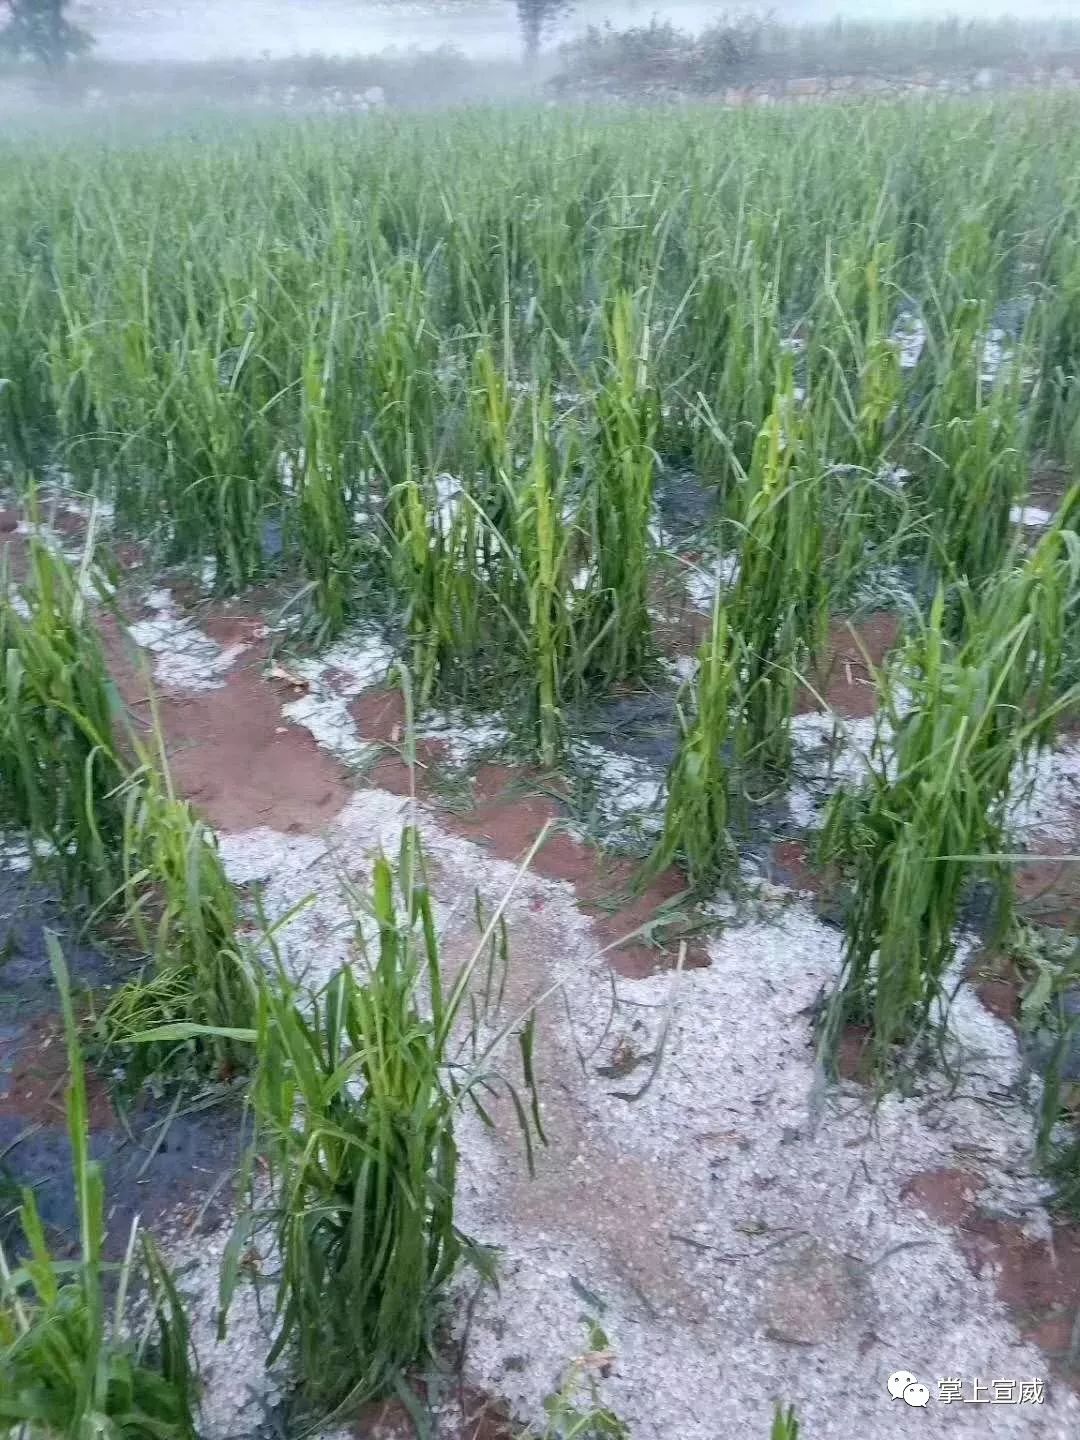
(902, 1385)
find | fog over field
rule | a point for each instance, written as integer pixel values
(207, 29)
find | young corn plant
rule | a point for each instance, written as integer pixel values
(399, 368)
(1057, 338)
(325, 524)
(60, 772)
(934, 798)
(902, 835)
(759, 640)
(627, 413)
(785, 1426)
(736, 333)
(493, 426)
(542, 543)
(117, 835)
(67, 1366)
(699, 782)
(1036, 599)
(218, 454)
(356, 1096)
(779, 610)
(975, 456)
(181, 908)
(857, 415)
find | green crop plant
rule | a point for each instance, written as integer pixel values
(975, 456)
(356, 1095)
(181, 908)
(1035, 599)
(942, 772)
(856, 381)
(79, 784)
(69, 1368)
(973, 263)
(735, 330)
(778, 612)
(493, 430)
(761, 637)
(325, 524)
(785, 1426)
(933, 795)
(182, 367)
(356, 1110)
(699, 781)
(1056, 337)
(399, 365)
(170, 365)
(59, 763)
(621, 491)
(550, 624)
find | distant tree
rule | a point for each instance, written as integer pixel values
(536, 16)
(39, 30)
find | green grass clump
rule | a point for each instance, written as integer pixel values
(785, 1426)
(75, 780)
(181, 908)
(356, 1095)
(699, 781)
(68, 1368)
(61, 774)
(933, 802)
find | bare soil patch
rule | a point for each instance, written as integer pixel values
(229, 748)
(507, 817)
(844, 678)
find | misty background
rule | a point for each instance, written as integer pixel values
(193, 30)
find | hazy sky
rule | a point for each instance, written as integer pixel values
(201, 29)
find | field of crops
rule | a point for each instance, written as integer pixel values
(539, 771)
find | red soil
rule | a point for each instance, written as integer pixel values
(33, 1085)
(479, 1418)
(844, 677)
(231, 752)
(506, 818)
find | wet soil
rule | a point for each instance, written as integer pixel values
(156, 1164)
(380, 716)
(230, 750)
(642, 723)
(235, 757)
(1049, 486)
(506, 818)
(471, 1416)
(1037, 1277)
(844, 678)
(687, 505)
(1048, 892)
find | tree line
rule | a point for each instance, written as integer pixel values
(41, 32)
